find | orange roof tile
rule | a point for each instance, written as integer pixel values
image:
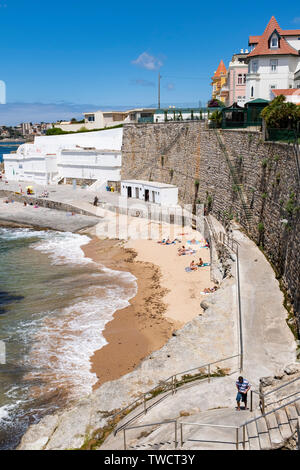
(221, 70)
(290, 32)
(286, 92)
(254, 39)
(263, 48)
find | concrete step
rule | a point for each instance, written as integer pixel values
(274, 433)
(253, 439)
(283, 424)
(292, 414)
(263, 434)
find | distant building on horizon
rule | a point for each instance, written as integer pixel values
(106, 119)
(218, 81)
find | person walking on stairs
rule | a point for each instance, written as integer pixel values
(243, 387)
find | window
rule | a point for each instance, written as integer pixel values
(273, 87)
(244, 79)
(91, 118)
(252, 92)
(274, 41)
(254, 66)
(240, 79)
(273, 65)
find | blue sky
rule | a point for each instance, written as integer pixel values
(61, 58)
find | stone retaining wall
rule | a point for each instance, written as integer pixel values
(189, 155)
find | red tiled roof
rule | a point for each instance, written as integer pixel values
(254, 39)
(286, 92)
(263, 48)
(290, 32)
(221, 70)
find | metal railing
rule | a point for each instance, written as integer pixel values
(169, 387)
(233, 245)
(151, 424)
(262, 396)
(237, 428)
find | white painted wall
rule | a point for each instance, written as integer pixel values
(95, 155)
(265, 78)
(165, 196)
(90, 165)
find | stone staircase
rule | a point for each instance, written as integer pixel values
(220, 428)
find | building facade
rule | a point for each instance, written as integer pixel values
(219, 81)
(273, 62)
(92, 156)
(234, 90)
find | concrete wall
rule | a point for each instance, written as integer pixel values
(189, 156)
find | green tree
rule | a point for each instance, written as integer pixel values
(280, 114)
(217, 117)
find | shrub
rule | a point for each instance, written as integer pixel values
(261, 227)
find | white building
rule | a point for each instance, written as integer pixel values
(105, 119)
(150, 191)
(274, 61)
(94, 156)
(292, 95)
(179, 114)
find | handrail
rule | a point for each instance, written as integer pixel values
(281, 386)
(233, 245)
(209, 425)
(264, 395)
(172, 385)
(270, 412)
(151, 424)
(237, 428)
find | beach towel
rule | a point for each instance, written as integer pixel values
(203, 265)
(189, 253)
(196, 242)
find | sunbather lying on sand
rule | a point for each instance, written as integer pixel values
(209, 290)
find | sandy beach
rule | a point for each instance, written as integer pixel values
(167, 298)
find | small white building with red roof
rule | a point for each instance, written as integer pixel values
(273, 62)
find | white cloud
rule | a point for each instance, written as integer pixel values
(141, 82)
(148, 62)
(170, 86)
(296, 20)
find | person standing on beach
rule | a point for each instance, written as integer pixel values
(243, 387)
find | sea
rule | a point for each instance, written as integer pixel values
(54, 305)
(8, 147)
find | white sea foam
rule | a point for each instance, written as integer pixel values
(64, 340)
(72, 337)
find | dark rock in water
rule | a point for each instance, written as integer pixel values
(6, 299)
